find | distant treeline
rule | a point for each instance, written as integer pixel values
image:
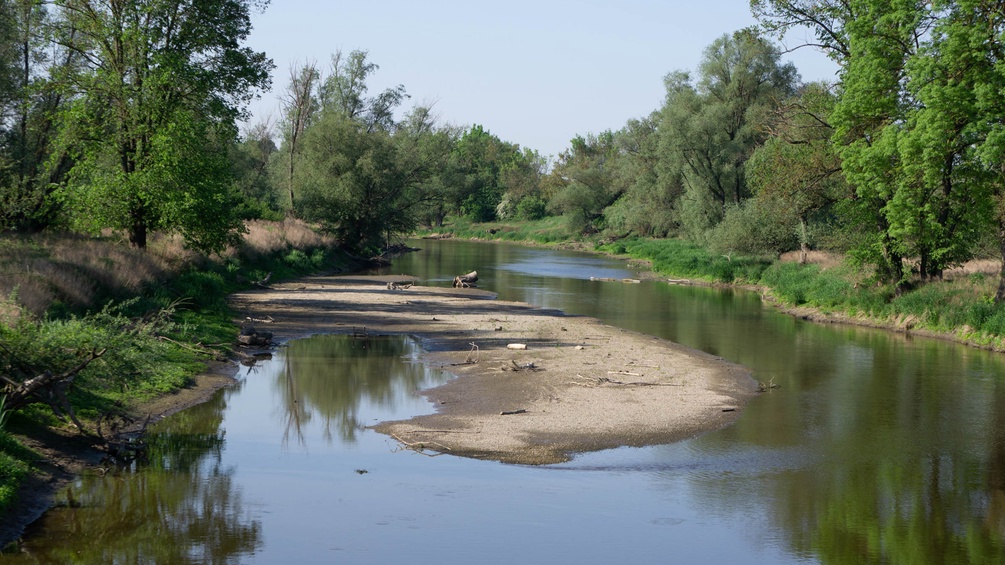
(123, 116)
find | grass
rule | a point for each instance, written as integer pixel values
(15, 465)
(546, 231)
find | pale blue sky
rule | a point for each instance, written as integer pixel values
(532, 72)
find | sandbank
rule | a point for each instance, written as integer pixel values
(580, 385)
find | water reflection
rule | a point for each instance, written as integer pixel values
(877, 448)
(181, 506)
(331, 376)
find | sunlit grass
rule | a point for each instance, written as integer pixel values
(545, 231)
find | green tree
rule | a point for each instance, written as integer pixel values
(907, 122)
(426, 149)
(651, 187)
(586, 173)
(356, 187)
(710, 126)
(344, 91)
(479, 160)
(798, 166)
(28, 105)
(251, 158)
(155, 102)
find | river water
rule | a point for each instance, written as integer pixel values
(876, 447)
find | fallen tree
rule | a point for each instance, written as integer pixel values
(48, 388)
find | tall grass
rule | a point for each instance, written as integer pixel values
(681, 259)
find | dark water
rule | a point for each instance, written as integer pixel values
(876, 448)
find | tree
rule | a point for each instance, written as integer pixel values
(344, 91)
(300, 106)
(905, 122)
(155, 101)
(251, 159)
(425, 149)
(798, 166)
(29, 103)
(709, 127)
(479, 160)
(651, 187)
(587, 174)
(356, 187)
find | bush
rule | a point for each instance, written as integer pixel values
(532, 208)
(753, 228)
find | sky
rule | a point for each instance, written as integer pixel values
(535, 73)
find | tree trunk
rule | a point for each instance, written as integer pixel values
(466, 281)
(138, 231)
(803, 244)
(1000, 295)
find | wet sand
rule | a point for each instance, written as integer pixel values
(580, 385)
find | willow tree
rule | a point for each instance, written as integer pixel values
(158, 92)
(798, 166)
(709, 125)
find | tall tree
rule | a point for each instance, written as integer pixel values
(300, 108)
(29, 103)
(356, 186)
(161, 88)
(344, 91)
(798, 166)
(588, 188)
(905, 123)
(710, 126)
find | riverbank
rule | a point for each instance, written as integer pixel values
(579, 385)
(64, 453)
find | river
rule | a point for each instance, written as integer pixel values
(875, 447)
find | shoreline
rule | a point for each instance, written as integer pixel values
(65, 454)
(579, 385)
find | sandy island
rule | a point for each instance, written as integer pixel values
(579, 385)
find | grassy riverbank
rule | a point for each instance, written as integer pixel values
(959, 307)
(153, 319)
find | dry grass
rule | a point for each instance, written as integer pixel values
(985, 266)
(265, 238)
(825, 259)
(77, 270)
(71, 269)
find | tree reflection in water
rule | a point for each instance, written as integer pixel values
(903, 454)
(331, 376)
(180, 506)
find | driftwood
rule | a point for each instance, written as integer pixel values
(251, 336)
(466, 281)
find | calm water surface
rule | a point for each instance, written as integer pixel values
(876, 448)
